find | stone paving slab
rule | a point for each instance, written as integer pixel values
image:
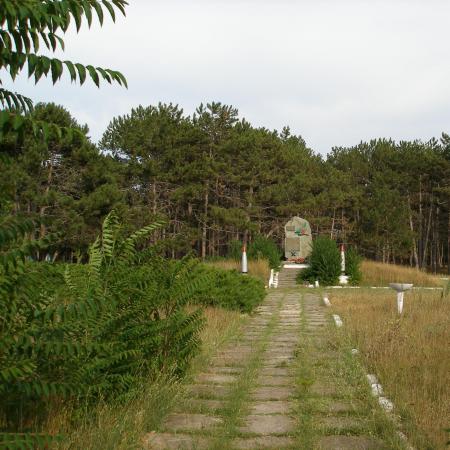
(284, 353)
(276, 371)
(272, 393)
(169, 441)
(271, 407)
(205, 378)
(191, 422)
(205, 404)
(267, 380)
(277, 361)
(226, 370)
(349, 443)
(209, 391)
(268, 424)
(231, 360)
(266, 442)
(293, 339)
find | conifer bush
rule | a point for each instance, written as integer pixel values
(259, 248)
(325, 263)
(235, 250)
(231, 290)
(264, 248)
(352, 266)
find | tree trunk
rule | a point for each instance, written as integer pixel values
(332, 223)
(154, 201)
(427, 236)
(205, 220)
(411, 226)
(420, 224)
(43, 228)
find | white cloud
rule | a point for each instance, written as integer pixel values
(336, 72)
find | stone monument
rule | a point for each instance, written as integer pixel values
(297, 240)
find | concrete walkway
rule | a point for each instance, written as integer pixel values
(283, 384)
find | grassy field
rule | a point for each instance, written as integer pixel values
(122, 426)
(257, 268)
(380, 274)
(410, 355)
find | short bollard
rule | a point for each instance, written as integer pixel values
(400, 288)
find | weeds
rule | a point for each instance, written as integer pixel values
(410, 355)
(380, 274)
(258, 268)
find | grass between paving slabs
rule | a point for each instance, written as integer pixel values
(333, 396)
(123, 425)
(236, 404)
(410, 355)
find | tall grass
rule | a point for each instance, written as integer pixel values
(410, 355)
(258, 268)
(380, 274)
(122, 426)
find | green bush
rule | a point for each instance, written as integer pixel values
(235, 250)
(82, 332)
(352, 266)
(325, 263)
(264, 248)
(230, 289)
(259, 248)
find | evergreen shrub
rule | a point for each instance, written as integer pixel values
(235, 250)
(325, 263)
(259, 248)
(264, 248)
(353, 266)
(230, 289)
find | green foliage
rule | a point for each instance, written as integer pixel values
(264, 248)
(235, 250)
(84, 331)
(259, 248)
(229, 289)
(352, 266)
(28, 25)
(325, 263)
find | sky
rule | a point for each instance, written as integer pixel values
(335, 72)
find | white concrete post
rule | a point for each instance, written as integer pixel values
(400, 288)
(244, 260)
(342, 259)
(271, 279)
(400, 302)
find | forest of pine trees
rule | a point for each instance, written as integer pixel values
(216, 179)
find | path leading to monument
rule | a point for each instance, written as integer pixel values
(285, 383)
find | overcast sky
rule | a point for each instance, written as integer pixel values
(336, 71)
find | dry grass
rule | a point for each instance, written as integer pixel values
(380, 274)
(123, 425)
(410, 355)
(257, 268)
